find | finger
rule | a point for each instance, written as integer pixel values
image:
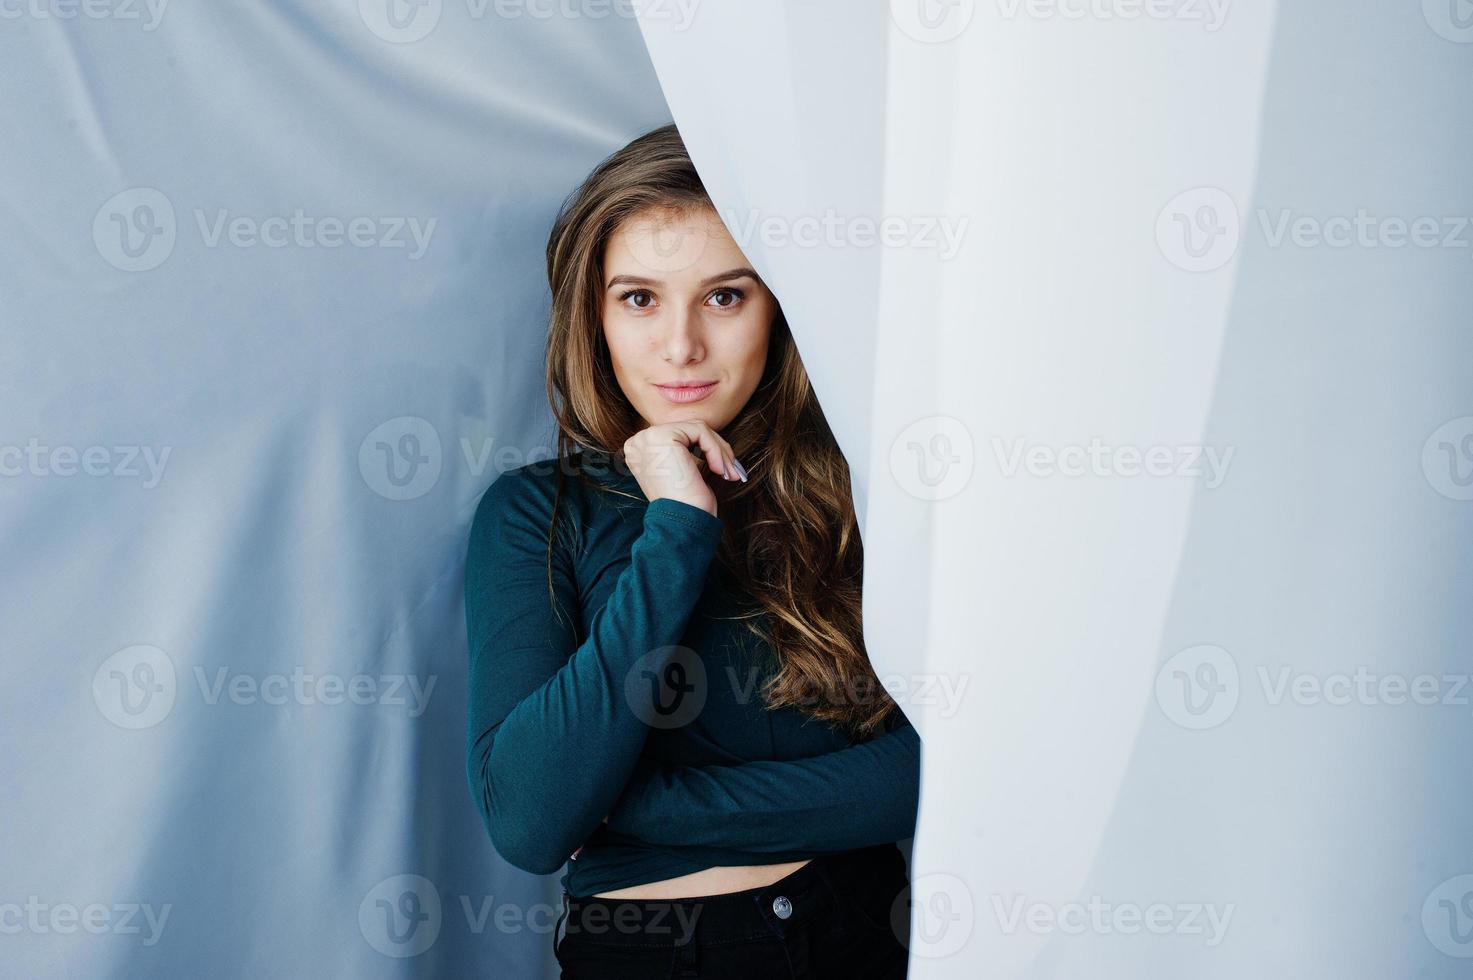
(728, 455)
(698, 434)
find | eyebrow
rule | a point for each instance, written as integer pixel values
(641, 281)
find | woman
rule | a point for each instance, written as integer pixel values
(668, 678)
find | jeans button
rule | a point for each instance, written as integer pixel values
(781, 907)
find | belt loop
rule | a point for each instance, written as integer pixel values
(685, 954)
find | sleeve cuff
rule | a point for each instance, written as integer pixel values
(665, 510)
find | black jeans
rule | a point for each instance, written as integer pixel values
(840, 915)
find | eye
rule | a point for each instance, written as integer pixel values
(736, 296)
(649, 299)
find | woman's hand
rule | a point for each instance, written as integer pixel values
(661, 459)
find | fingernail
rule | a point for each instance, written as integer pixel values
(740, 468)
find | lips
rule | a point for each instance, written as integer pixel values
(685, 392)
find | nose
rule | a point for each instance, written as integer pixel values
(683, 337)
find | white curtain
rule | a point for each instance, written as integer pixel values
(1153, 461)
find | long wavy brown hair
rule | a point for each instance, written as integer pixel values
(789, 539)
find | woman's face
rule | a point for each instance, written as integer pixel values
(682, 307)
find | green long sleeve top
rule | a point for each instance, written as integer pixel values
(634, 698)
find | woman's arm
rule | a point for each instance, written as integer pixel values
(551, 736)
(849, 798)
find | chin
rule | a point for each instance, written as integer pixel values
(669, 413)
(673, 413)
